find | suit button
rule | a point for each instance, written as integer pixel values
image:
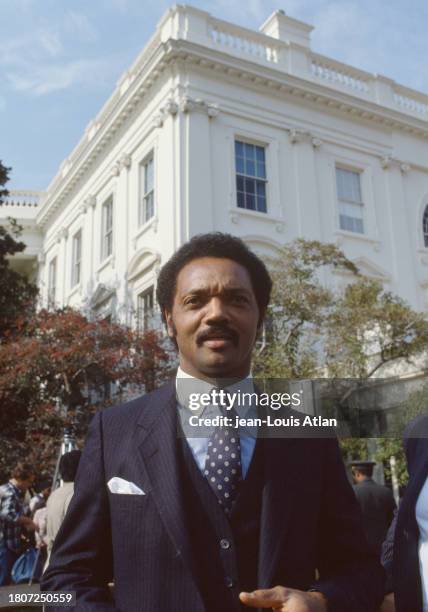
(225, 544)
(229, 582)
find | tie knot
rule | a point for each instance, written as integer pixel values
(221, 398)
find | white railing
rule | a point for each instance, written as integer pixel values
(238, 40)
(411, 104)
(339, 76)
(20, 197)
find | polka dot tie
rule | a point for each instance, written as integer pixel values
(223, 464)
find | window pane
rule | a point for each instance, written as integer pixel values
(250, 168)
(348, 185)
(261, 170)
(261, 204)
(249, 185)
(239, 148)
(240, 165)
(148, 176)
(250, 201)
(250, 176)
(260, 154)
(249, 151)
(261, 188)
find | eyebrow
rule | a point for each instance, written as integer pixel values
(227, 291)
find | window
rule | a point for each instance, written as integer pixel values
(350, 202)
(146, 208)
(251, 180)
(425, 226)
(107, 229)
(145, 304)
(52, 282)
(76, 258)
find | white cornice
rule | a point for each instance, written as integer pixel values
(133, 88)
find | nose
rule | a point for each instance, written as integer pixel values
(216, 310)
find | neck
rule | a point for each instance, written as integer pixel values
(214, 380)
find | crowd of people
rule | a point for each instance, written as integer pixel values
(31, 514)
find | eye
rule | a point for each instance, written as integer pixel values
(192, 300)
(240, 299)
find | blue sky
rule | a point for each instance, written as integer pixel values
(61, 59)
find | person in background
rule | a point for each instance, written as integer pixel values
(39, 500)
(405, 550)
(57, 504)
(376, 501)
(12, 518)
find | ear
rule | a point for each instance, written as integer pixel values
(170, 328)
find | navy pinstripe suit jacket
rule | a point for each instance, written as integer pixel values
(309, 520)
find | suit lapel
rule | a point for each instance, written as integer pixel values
(157, 444)
(277, 503)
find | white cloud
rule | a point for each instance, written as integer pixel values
(78, 23)
(55, 77)
(50, 42)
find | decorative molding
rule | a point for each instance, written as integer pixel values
(186, 104)
(122, 104)
(62, 234)
(125, 161)
(280, 227)
(115, 169)
(234, 217)
(388, 162)
(90, 200)
(297, 135)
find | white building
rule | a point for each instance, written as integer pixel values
(217, 127)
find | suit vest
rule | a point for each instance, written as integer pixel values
(225, 550)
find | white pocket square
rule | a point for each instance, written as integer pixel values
(120, 485)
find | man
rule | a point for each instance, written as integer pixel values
(377, 504)
(405, 550)
(146, 509)
(12, 518)
(59, 500)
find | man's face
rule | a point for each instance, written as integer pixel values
(214, 318)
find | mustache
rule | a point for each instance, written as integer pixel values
(218, 331)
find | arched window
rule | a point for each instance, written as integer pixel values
(425, 226)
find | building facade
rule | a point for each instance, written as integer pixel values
(217, 127)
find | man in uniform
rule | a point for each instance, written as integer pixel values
(376, 501)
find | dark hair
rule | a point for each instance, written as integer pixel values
(22, 471)
(215, 244)
(68, 465)
(365, 470)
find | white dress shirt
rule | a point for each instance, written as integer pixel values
(199, 445)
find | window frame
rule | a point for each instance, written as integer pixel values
(107, 232)
(146, 195)
(425, 227)
(357, 205)
(52, 280)
(251, 177)
(142, 315)
(76, 258)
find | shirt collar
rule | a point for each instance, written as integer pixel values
(185, 384)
